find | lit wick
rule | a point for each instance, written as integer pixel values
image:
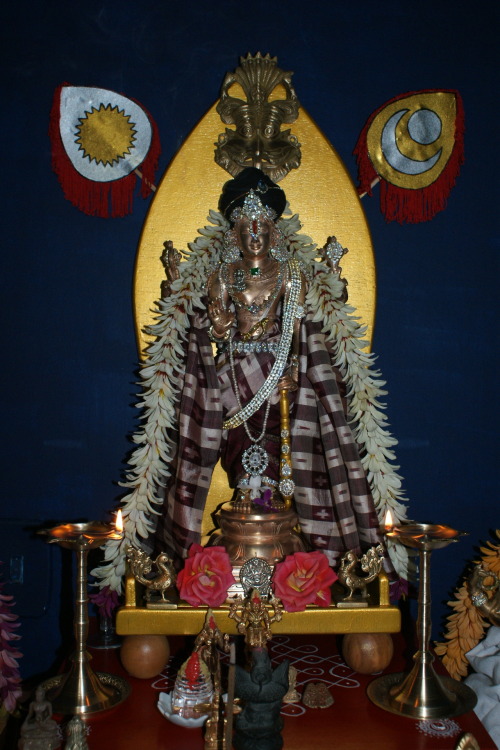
(119, 522)
(388, 522)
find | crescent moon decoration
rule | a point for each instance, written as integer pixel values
(394, 157)
(414, 145)
(99, 139)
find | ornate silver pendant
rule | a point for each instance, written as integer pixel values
(286, 487)
(255, 460)
(256, 574)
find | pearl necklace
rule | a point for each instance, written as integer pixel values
(254, 459)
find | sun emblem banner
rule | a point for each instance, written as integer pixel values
(413, 145)
(100, 139)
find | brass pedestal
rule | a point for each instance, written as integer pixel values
(379, 617)
(81, 690)
(423, 694)
(270, 536)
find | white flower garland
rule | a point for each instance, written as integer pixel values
(164, 367)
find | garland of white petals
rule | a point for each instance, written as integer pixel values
(164, 368)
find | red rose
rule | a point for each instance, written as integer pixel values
(206, 576)
(304, 578)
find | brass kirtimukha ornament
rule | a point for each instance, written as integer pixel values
(258, 140)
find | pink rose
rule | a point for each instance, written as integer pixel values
(304, 578)
(206, 576)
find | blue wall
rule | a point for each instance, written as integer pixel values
(69, 349)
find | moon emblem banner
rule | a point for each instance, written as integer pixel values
(413, 144)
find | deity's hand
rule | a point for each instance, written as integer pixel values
(170, 258)
(221, 318)
(331, 254)
(289, 381)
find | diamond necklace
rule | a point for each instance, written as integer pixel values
(253, 308)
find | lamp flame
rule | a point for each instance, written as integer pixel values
(389, 521)
(119, 521)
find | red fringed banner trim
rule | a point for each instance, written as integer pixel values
(111, 198)
(411, 204)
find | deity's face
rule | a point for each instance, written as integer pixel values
(254, 238)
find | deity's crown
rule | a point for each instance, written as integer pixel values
(253, 209)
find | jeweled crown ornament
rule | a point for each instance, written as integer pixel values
(252, 209)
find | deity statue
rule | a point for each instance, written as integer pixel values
(259, 725)
(269, 339)
(253, 618)
(258, 361)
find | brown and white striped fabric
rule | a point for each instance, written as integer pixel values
(332, 496)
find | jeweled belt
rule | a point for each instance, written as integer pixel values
(254, 346)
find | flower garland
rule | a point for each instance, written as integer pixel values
(164, 368)
(466, 625)
(10, 680)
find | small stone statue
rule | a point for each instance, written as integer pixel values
(259, 725)
(75, 732)
(39, 731)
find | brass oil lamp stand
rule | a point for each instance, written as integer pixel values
(81, 690)
(422, 694)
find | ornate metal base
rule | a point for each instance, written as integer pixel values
(85, 694)
(439, 698)
(268, 535)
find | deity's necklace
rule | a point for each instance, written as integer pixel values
(239, 286)
(254, 459)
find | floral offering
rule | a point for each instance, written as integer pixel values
(304, 578)
(206, 576)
